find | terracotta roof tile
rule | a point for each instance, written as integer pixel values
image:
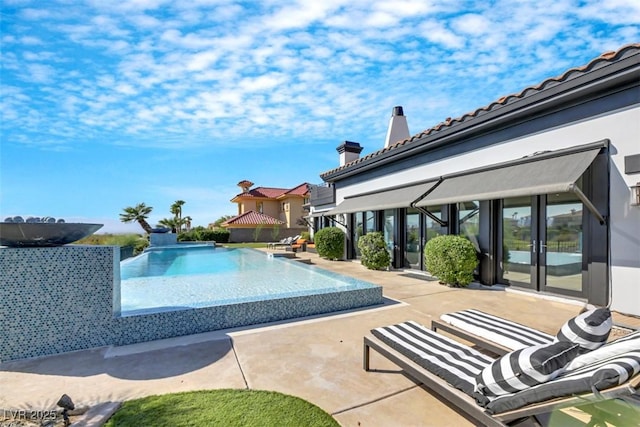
(274, 193)
(449, 122)
(252, 218)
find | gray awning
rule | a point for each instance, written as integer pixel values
(540, 174)
(396, 197)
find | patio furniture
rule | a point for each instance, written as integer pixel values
(286, 242)
(451, 369)
(490, 332)
(501, 335)
(299, 244)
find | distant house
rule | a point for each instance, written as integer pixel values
(268, 213)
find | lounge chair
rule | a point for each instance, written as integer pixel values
(490, 332)
(286, 242)
(450, 368)
(590, 328)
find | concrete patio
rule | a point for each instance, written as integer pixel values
(318, 359)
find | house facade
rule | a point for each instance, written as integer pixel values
(544, 183)
(268, 213)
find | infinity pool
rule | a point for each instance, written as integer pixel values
(199, 276)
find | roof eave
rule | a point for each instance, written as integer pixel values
(591, 82)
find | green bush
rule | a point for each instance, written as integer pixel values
(451, 259)
(330, 243)
(306, 236)
(205, 234)
(138, 242)
(373, 251)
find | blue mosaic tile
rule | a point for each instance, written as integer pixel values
(67, 298)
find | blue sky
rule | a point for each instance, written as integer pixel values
(108, 104)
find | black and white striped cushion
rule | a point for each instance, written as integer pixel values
(624, 344)
(600, 376)
(525, 368)
(450, 360)
(511, 335)
(590, 329)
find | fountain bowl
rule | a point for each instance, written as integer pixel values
(44, 234)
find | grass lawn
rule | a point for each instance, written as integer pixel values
(224, 407)
(244, 245)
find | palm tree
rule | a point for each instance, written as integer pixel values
(139, 213)
(171, 223)
(176, 210)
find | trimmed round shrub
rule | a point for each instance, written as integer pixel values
(451, 259)
(373, 251)
(330, 243)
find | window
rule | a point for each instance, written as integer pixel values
(260, 207)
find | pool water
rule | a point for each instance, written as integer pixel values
(204, 276)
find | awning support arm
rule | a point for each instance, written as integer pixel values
(425, 210)
(337, 222)
(574, 188)
(432, 216)
(469, 215)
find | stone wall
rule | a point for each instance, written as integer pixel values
(247, 235)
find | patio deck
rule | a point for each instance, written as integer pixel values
(318, 359)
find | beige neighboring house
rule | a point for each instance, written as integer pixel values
(268, 214)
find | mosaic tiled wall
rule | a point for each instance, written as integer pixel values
(67, 298)
(56, 299)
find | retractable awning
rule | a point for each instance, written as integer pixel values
(539, 174)
(395, 197)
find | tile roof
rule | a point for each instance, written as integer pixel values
(252, 218)
(300, 190)
(601, 60)
(274, 193)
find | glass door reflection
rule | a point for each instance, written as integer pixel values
(517, 247)
(412, 239)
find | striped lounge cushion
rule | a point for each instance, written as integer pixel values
(524, 368)
(450, 360)
(624, 344)
(598, 376)
(511, 335)
(590, 329)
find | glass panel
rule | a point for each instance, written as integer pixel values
(433, 228)
(563, 246)
(516, 240)
(412, 239)
(388, 228)
(370, 221)
(358, 231)
(469, 221)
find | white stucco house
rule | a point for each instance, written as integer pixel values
(544, 182)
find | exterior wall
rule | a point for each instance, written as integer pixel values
(248, 234)
(621, 127)
(67, 298)
(271, 208)
(295, 211)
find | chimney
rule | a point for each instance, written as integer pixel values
(398, 128)
(349, 151)
(245, 185)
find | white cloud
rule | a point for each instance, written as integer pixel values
(192, 73)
